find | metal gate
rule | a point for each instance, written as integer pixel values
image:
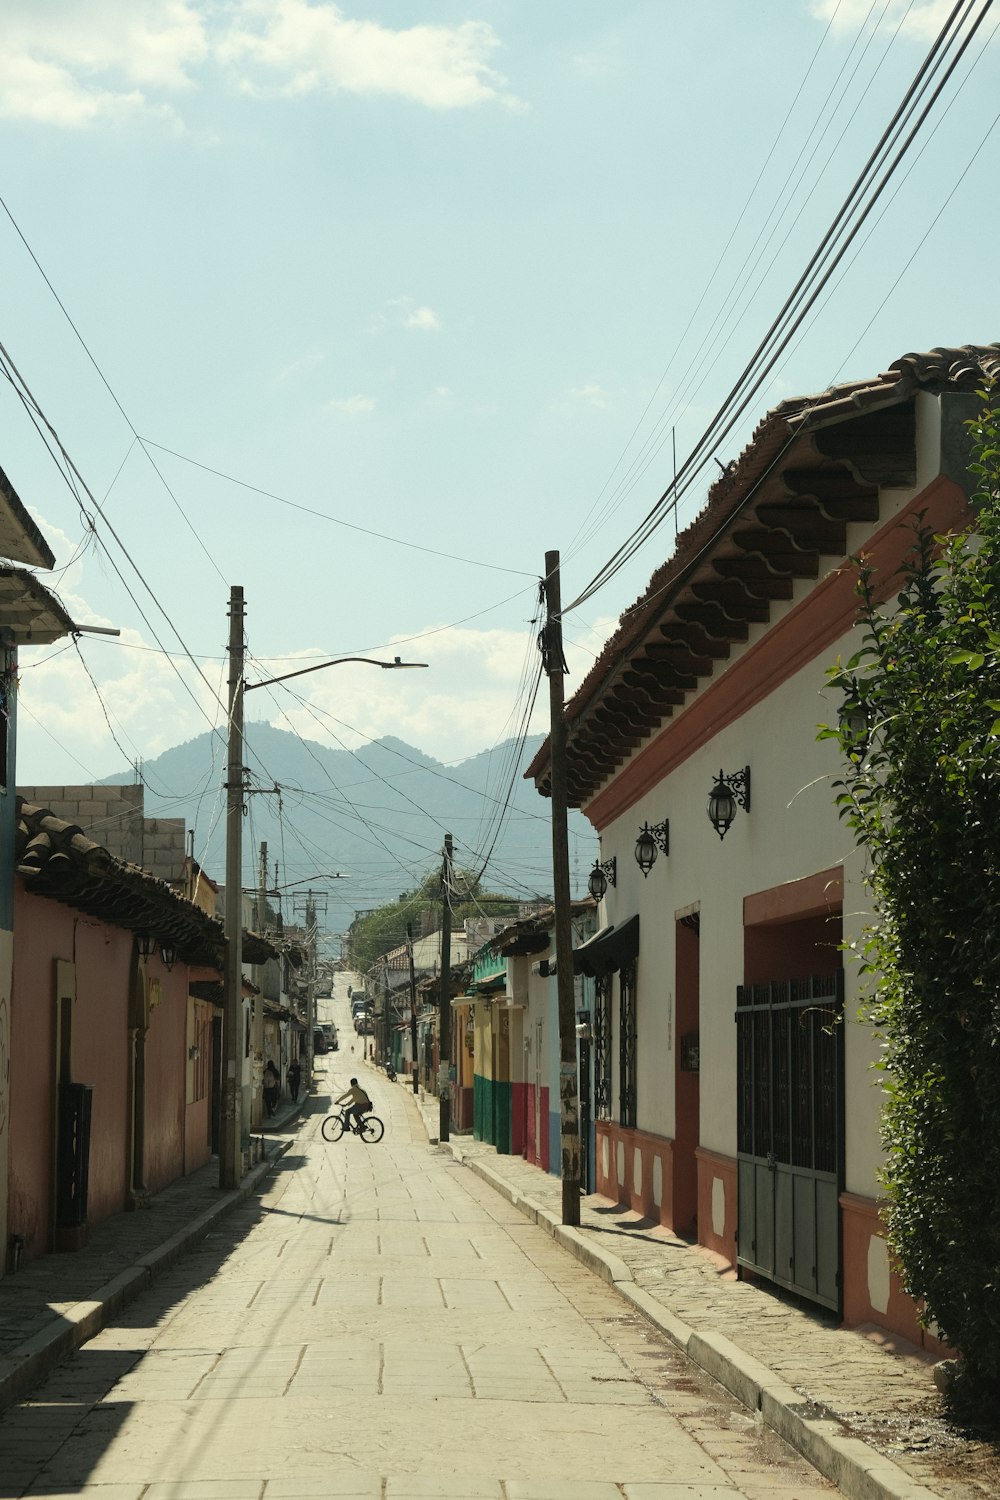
(584, 1114)
(790, 1130)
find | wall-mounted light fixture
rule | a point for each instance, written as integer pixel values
(168, 953)
(727, 794)
(855, 721)
(145, 942)
(603, 874)
(649, 841)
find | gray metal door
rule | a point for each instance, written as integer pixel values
(790, 1130)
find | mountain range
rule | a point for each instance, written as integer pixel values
(376, 817)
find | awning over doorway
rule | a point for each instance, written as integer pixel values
(608, 949)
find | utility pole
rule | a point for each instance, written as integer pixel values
(413, 1007)
(554, 664)
(230, 1131)
(444, 990)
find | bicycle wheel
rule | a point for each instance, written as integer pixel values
(332, 1128)
(373, 1129)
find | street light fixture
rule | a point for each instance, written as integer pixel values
(230, 1133)
(604, 873)
(728, 793)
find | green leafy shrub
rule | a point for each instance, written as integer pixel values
(922, 793)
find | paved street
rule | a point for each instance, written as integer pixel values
(381, 1323)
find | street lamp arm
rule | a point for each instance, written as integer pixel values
(371, 661)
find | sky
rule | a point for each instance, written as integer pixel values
(365, 308)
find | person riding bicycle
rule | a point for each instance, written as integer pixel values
(360, 1105)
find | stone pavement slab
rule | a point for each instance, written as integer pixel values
(822, 1388)
(860, 1405)
(228, 1378)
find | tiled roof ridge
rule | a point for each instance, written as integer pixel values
(68, 840)
(964, 366)
(50, 846)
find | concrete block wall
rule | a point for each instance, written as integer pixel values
(110, 815)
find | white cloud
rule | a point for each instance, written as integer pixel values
(592, 395)
(461, 705)
(423, 317)
(298, 367)
(352, 406)
(923, 19)
(293, 47)
(74, 62)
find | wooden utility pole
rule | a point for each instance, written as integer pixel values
(569, 1088)
(413, 1008)
(231, 1124)
(444, 990)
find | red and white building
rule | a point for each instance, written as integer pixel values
(733, 1078)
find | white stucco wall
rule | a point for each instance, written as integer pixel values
(791, 832)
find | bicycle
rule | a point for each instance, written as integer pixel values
(334, 1125)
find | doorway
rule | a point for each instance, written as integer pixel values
(687, 1085)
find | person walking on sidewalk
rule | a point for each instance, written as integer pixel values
(360, 1104)
(294, 1076)
(272, 1087)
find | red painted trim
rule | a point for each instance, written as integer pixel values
(861, 1220)
(805, 632)
(710, 1166)
(813, 896)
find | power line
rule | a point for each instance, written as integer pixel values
(838, 238)
(396, 541)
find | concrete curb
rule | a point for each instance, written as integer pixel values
(29, 1361)
(858, 1470)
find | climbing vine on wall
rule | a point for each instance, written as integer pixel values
(921, 740)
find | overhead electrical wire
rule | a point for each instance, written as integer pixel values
(322, 515)
(893, 145)
(9, 369)
(107, 386)
(719, 335)
(582, 528)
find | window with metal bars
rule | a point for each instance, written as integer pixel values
(627, 1044)
(602, 1046)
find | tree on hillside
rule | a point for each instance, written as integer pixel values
(921, 791)
(382, 930)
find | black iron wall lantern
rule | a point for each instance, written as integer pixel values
(601, 876)
(168, 953)
(728, 793)
(649, 840)
(855, 722)
(145, 942)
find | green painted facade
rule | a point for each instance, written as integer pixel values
(491, 1112)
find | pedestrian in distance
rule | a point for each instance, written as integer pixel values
(272, 1087)
(294, 1078)
(360, 1105)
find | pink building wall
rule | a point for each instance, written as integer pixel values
(102, 957)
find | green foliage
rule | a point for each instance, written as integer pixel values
(384, 929)
(922, 793)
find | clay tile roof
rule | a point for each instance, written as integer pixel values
(56, 859)
(813, 464)
(28, 610)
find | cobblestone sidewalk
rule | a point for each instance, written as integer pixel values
(854, 1384)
